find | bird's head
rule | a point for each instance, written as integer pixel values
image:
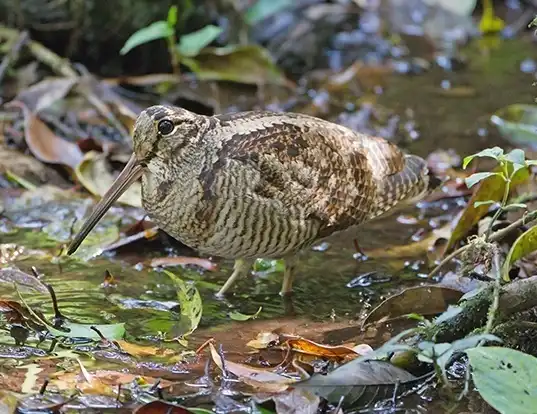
(160, 134)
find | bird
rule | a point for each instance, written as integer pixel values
(260, 184)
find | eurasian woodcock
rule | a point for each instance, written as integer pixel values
(260, 184)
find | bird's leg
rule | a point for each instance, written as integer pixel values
(240, 268)
(288, 274)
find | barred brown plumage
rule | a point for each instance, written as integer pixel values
(260, 184)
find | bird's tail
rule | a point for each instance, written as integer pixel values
(406, 187)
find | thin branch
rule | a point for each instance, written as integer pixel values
(13, 53)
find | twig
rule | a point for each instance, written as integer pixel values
(13, 53)
(493, 309)
(494, 237)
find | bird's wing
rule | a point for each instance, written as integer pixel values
(322, 169)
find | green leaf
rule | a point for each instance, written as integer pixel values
(172, 17)
(524, 245)
(495, 152)
(484, 203)
(263, 9)
(157, 30)
(249, 64)
(237, 316)
(190, 302)
(79, 330)
(516, 123)
(478, 177)
(505, 378)
(516, 156)
(190, 45)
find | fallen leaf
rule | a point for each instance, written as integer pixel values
(45, 145)
(354, 379)
(308, 347)
(142, 350)
(491, 188)
(183, 260)
(45, 93)
(107, 378)
(264, 340)
(264, 380)
(422, 300)
(237, 316)
(250, 64)
(14, 275)
(94, 174)
(190, 303)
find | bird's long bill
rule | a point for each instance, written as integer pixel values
(130, 173)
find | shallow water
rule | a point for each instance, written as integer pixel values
(143, 296)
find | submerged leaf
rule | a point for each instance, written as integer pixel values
(505, 378)
(423, 300)
(191, 44)
(250, 64)
(190, 302)
(237, 316)
(524, 245)
(94, 174)
(156, 30)
(14, 275)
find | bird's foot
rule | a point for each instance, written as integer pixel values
(240, 268)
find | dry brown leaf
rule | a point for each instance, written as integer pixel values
(263, 380)
(44, 144)
(45, 93)
(308, 347)
(142, 350)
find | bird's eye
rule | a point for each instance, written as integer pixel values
(165, 127)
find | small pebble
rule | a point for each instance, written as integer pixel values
(324, 246)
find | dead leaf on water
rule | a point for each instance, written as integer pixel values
(263, 380)
(93, 172)
(24, 280)
(44, 144)
(422, 300)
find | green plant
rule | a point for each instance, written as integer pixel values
(249, 63)
(188, 46)
(509, 165)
